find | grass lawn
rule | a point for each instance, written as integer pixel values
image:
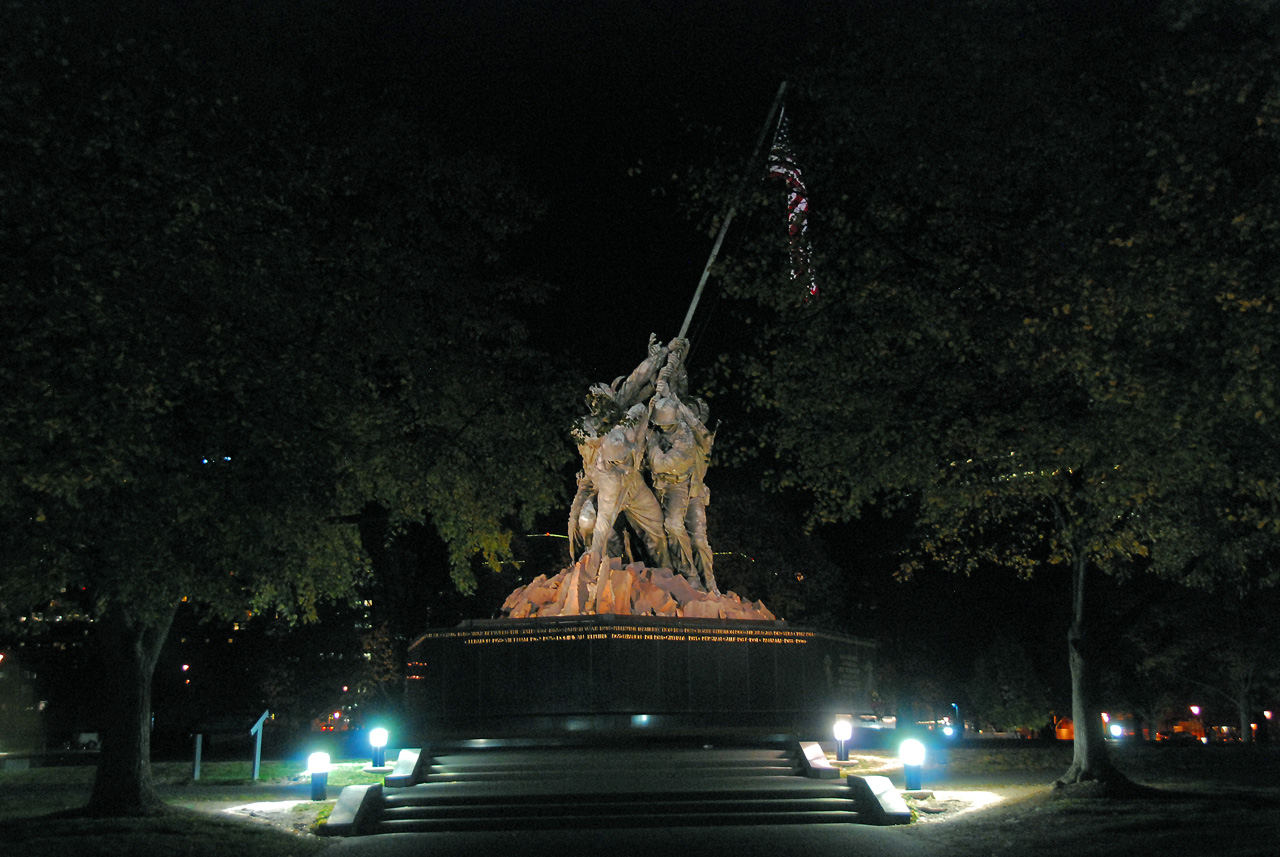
(185, 833)
(37, 812)
(39, 791)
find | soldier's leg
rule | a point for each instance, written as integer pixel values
(645, 514)
(696, 522)
(675, 506)
(608, 505)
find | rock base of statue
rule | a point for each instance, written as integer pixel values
(626, 677)
(611, 588)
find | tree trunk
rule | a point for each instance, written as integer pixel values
(1244, 702)
(129, 647)
(1090, 762)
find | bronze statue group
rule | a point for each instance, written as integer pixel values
(645, 448)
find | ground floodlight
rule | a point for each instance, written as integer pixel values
(318, 766)
(378, 740)
(843, 731)
(912, 753)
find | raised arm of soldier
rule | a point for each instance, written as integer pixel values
(638, 386)
(678, 379)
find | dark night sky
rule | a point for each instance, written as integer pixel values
(575, 95)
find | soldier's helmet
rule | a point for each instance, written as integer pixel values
(665, 412)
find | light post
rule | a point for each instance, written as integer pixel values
(378, 740)
(1195, 712)
(318, 767)
(912, 754)
(843, 731)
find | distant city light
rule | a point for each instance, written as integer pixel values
(1195, 711)
(1116, 730)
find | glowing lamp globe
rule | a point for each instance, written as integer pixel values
(378, 737)
(843, 730)
(318, 763)
(911, 752)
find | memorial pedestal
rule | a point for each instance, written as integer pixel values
(632, 675)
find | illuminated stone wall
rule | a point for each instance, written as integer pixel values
(617, 672)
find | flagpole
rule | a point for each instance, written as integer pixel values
(733, 209)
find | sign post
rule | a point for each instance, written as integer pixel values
(257, 744)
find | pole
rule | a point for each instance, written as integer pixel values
(733, 209)
(195, 767)
(257, 745)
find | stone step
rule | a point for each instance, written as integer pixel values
(460, 774)
(601, 820)
(589, 805)
(661, 758)
(590, 788)
(552, 765)
(727, 791)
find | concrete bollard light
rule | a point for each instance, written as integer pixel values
(912, 753)
(843, 731)
(318, 767)
(378, 740)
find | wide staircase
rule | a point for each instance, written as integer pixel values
(464, 788)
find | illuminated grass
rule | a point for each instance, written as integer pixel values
(41, 791)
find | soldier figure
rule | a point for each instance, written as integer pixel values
(616, 443)
(609, 408)
(618, 480)
(678, 458)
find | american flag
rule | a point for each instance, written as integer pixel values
(782, 163)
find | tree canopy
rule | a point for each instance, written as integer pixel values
(238, 318)
(1046, 249)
